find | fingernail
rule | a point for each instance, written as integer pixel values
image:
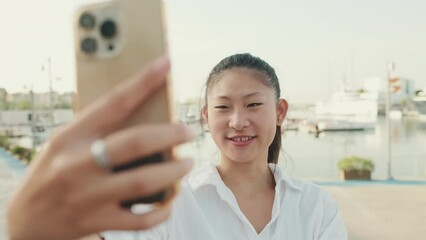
(162, 63)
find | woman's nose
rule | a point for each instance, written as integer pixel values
(239, 120)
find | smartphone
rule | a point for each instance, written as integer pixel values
(113, 39)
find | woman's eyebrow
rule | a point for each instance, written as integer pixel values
(253, 94)
(245, 96)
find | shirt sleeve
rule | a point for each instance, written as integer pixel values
(332, 226)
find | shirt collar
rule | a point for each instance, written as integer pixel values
(205, 175)
(282, 178)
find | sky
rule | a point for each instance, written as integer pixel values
(314, 46)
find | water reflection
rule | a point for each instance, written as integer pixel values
(315, 157)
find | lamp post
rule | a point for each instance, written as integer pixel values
(32, 115)
(33, 120)
(49, 77)
(390, 68)
(50, 94)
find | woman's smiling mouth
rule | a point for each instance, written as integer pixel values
(241, 140)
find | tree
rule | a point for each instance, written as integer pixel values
(23, 105)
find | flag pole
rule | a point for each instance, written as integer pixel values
(390, 68)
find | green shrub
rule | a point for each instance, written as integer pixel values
(23, 153)
(4, 142)
(355, 163)
(29, 154)
(18, 150)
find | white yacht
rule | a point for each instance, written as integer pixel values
(347, 111)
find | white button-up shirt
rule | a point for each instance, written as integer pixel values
(207, 210)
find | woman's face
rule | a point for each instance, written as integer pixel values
(242, 114)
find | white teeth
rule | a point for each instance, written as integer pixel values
(241, 139)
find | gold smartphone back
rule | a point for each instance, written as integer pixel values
(113, 40)
(139, 38)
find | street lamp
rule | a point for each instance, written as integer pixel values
(32, 117)
(49, 72)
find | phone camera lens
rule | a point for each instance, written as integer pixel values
(87, 21)
(88, 45)
(108, 29)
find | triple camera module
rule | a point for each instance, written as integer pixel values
(101, 36)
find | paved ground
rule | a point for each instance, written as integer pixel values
(379, 211)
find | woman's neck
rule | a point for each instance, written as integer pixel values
(249, 176)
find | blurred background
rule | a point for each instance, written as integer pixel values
(352, 72)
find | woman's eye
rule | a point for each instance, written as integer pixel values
(221, 107)
(254, 104)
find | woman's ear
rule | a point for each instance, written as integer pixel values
(204, 114)
(282, 107)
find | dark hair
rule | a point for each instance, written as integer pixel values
(269, 78)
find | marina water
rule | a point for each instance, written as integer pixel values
(315, 156)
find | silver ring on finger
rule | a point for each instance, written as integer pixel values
(99, 153)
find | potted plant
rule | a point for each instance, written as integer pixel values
(355, 168)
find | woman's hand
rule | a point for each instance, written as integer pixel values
(67, 195)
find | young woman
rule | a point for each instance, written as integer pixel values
(246, 196)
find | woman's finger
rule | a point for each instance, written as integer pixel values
(126, 220)
(136, 142)
(123, 219)
(102, 187)
(144, 181)
(128, 145)
(112, 109)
